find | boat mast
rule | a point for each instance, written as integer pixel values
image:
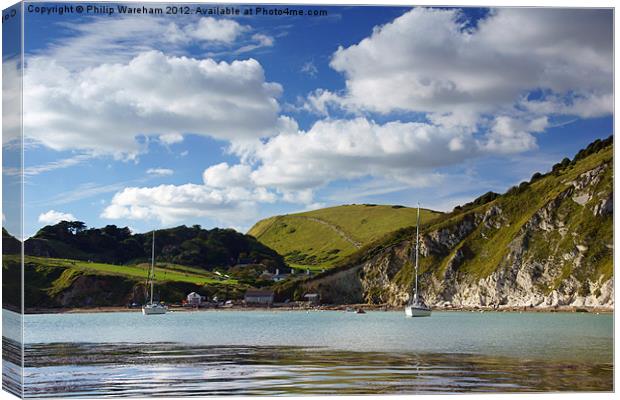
(417, 243)
(152, 266)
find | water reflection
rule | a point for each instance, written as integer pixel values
(169, 369)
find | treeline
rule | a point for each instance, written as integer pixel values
(191, 246)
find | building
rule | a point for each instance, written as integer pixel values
(312, 298)
(258, 297)
(278, 276)
(194, 299)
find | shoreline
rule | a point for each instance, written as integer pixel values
(343, 308)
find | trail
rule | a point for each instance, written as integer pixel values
(335, 228)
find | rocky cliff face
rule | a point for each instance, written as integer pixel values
(547, 243)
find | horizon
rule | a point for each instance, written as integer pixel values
(225, 121)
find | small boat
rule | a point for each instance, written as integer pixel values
(153, 308)
(360, 311)
(416, 306)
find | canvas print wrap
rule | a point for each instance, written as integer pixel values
(247, 199)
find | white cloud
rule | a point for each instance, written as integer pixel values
(54, 165)
(171, 138)
(295, 164)
(217, 30)
(227, 196)
(159, 171)
(222, 175)
(153, 94)
(509, 135)
(259, 40)
(426, 61)
(479, 80)
(53, 217)
(350, 149)
(320, 101)
(171, 203)
(118, 40)
(584, 106)
(81, 192)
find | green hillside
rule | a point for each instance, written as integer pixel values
(319, 239)
(548, 240)
(164, 272)
(54, 282)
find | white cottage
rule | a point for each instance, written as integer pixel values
(194, 299)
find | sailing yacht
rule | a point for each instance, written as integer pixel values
(416, 307)
(153, 308)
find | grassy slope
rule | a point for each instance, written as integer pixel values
(163, 272)
(308, 243)
(486, 248)
(47, 280)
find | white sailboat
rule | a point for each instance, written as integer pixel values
(416, 307)
(153, 308)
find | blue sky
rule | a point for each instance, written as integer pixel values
(152, 122)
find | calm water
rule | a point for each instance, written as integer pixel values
(233, 352)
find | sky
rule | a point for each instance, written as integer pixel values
(157, 121)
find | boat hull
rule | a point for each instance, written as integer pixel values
(154, 310)
(412, 311)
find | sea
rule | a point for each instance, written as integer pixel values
(267, 352)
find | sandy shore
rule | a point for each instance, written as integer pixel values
(366, 307)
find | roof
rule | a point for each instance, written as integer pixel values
(311, 295)
(257, 292)
(193, 294)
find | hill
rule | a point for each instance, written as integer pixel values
(10, 245)
(69, 265)
(189, 246)
(53, 282)
(320, 239)
(546, 242)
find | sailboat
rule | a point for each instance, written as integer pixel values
(416, 307)
(153, 308)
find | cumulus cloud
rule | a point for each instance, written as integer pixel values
(218, 30)
(53, 217)
(510, 135)
(153, 94)
(173, 203)
(291, 166)
(159, 171)
(296, 163)
(227, 195)
(350, 149)
(428, 61)
(222, 175)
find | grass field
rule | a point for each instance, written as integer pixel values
(163, 272)
(318, 239)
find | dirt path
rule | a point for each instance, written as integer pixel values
(336, 229)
